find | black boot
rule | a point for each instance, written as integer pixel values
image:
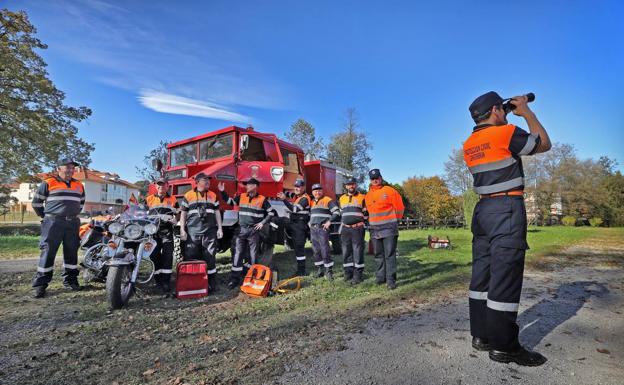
(39, 292)
(234, 282)
(301, 269)
(480, 344)
(357, 277)
(212, 283)
(521, 357)
(348, 274)
(320, 272)
(329, 274)
(72, 285)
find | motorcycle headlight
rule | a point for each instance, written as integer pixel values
(150, 229)
(133, 231)
(115, 228)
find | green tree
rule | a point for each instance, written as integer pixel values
(430, 198)
(469, 201)
(147, 171)
(350, 148)
(303, 135)
(37, 126)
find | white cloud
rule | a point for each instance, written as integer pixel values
(179, 105)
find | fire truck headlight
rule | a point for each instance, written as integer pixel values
(277, 173)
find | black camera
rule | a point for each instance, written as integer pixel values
(508, 107)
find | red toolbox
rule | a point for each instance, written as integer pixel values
(192, 279)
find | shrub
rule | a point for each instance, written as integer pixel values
(595, 221)
(568, 220)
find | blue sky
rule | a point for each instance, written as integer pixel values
(410, 69)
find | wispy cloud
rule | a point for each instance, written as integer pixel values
(173, 104)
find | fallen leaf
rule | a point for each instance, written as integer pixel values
(603, 351)
(149, 372)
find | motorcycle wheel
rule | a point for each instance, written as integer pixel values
(118, 286)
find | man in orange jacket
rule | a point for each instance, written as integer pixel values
(385, 208)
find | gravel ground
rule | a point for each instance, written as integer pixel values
(574, 316)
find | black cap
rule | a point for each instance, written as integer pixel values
(202, 175)
(351, 180)
(66, 161)
(317, 186)
(160, 181)
(299, 183)
(484, 103)
(252, 181)
(374, 173)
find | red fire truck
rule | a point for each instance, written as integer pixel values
(233, 155)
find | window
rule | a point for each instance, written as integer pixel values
(291, 163)
(185, 154)
(255, 150)
(215, 147)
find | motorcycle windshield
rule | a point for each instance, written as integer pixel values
(135, 212)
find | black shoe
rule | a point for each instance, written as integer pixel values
(73, 286)
(348, 277)
(392, 285)
(39, 292)
(301, 269)
(320, 272)
(329, 274)
(357, 277)
(480, 344)
(521, 357)
(232, 284)
(212, 283)
(380, 282)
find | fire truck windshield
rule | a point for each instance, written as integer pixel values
(216, 147)
(184, 154)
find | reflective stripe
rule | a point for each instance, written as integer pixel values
(492, 165)
(320, 215)
(381, 214)
(301, 258)
(352, 214)
(163, 271)
(334, 209)
(195, 211)
(234, 268)
(318, 263)
(329, 264)
(63, 198)
(375, 223)
(502, 306)
(477, 294)
(529, 146)
(498, 187)
(71, 267)
(359, 266)
(45, 269)
(61, 191)
(190, 292)
(42, 197)
(37, 205)
(350, 264)
(248, 214)
(212, 271)
(253, 285)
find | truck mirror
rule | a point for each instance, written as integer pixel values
(157, 164)
(244, 142)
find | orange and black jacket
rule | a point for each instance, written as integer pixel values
(299, 208)
(385, 207)
(58, 197)
(165, 206)
(201, 208)
(251, 210)
(492, 154)
(352, 208)
(322, 210)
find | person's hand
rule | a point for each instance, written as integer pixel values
(219, 233)
(221, 186)
(183, 235)
(173, 220)
(522, 107)
(281, 196)
(259, 226)
(326, 225)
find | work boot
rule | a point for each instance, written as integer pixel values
(234, 282)
(480, 344)
(521, 357)
(212, 283)
(348, 275)
(329, 274)
(39, 292)
(392, 285)
(73, 286)
(357, 277)
(301, 269)
(320, 272)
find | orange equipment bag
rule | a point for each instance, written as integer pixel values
(192, 279)
(257, 282)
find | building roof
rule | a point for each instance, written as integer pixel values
(85, 174)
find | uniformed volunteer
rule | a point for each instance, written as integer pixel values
(166, 207)
(200, 226)
(298, 223)
(353, 213)
(58, 201)
(254, 211)
(323, 211)
(385, 208)
(493, 155)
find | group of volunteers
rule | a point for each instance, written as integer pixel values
(492, 153)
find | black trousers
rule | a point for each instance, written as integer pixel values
(162, 256)
(298, 231)
(320, 246)
(498, 247)
(55, 231)
(203, 247)
(247, 244)
(385, 258)
(352, 241)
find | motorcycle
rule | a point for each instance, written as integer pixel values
(123, 260)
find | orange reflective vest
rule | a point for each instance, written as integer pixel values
(322, 210)
(60, 198)
(352, 208)
(384, 205)
(251, 211)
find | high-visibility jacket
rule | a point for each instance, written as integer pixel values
(165, 206)
(201, 208)
(55, 196)
(251, 210)
(384, 205)
(300, 208)
(492, 154)
(352, 208)
(322, 210)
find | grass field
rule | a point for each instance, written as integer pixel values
(228, 338)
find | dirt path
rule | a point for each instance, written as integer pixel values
(572, 315)
(22, 265)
